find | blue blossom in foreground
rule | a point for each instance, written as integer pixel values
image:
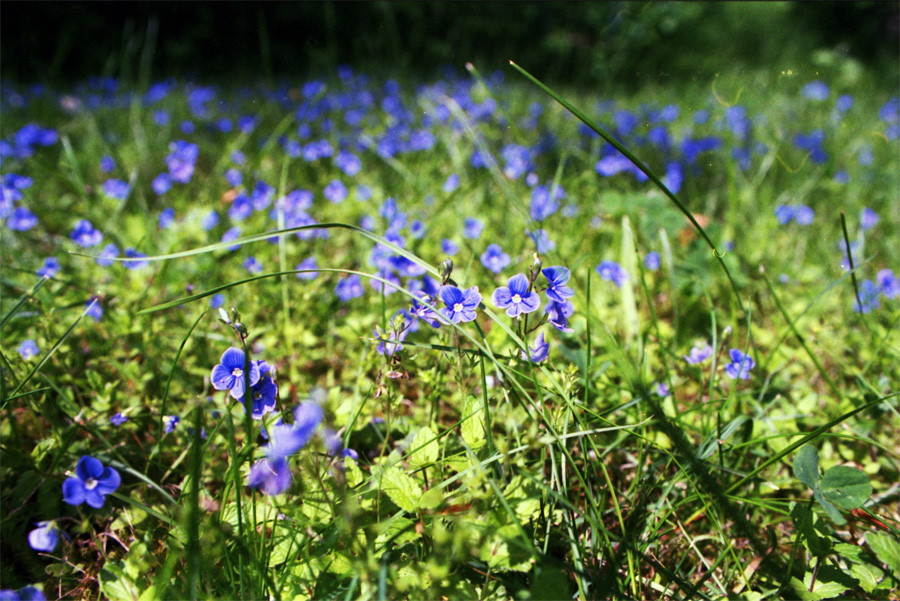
(93, 308)
(28, 593)
(543, 204)
(651, 261)
(539, 351)
(166, 218)
(272, 474)
(170, 422)
(515, 297)
(868, 297)
(612, 272)
(118, 419)
(558, 315)
(390, 341)
(868, 218)
(262, 195)
(699, 353)
(264, 392)
(740, 365)
(85, 235)
(21, 220)
(557, 278)
(131, 253)
(349, 287)
(307, 263)
(241, 208)
(161, 184)
(50, 268)
(229, 373)
(888, 283)
(460, 305)
(91, 483)
(28, 349)
(494, 259)
(116, 189)
(106, 256)
(420, 310)
(44, 538)
(472, 228)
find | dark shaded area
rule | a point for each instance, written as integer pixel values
(625, 42)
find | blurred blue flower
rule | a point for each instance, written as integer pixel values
(449, 247)
(166, 218)
(335, 191)
(543, 204)
(417, 229)
(539, 351)
(44, 538)
(228, 374)
(740, 365)
(516, 297)
(349, 288)
(419, 310)
(28, 593)
(187, 127)
(363, 193)
(307, 263)
(116, 189)
(815, 90)
(451, 183)
(238, 157)
(107, 163)
(460, 305)
(661, 389)
(252, 265)
(91, 483)
(841, 176)
(118, 419)
(28, 349)
(21, 220)
(234, 177)
(85, 235)
(93, 308)
(612, 272)
(106, 256)
(210, 220)
(50, 268)
(272, 473)
(698, 354)
(161, 184)
(262, 195)
(844, 103)
(868, 297)
(472, 228)
(131, 253)
(348, 162)
(542, 242)
(216, 300)
(170, 422)
(674, 177)
(652, 261)
(241, 208)
(804, 215)
(181, 159)
(868, 218)
(494, 259)
(784, 214)
(888, 283)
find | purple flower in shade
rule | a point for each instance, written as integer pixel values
(85, 235)
(420, 310)
(216, 301)
(170, 422)
(231, 235)
(888, 283)
(367, 222)
(238, 157)
(181, 159)
(44, 538)
(50, 268)
(542, 203)
(363, 193)
(417, 229)
(93, 308)
(241, 208)
(868, 297)
(841, 176)
(335, 191)
(784, 214)
(262, 195)
(106, 256)
(272, 474)
(166, 218)
(161, 117)
(210, 220)
(118, 419)
(131, 253)
(539, 351)
(542, 242)
(107, 163)
(229, 373)
(451, 183)
(161, 184)
(651, 261)
(307, 263)
(21, 220)
(252, 265)
(348, 162)
(449, 247)
(349, 287)
(116, 189)
(804, 215)
(843, 103)
(28, 593)
(557, 278)
(28, 349)
(460, 305)
(234, 177)
(494, 259)
(662, 389)
(264, 392)
(698, 354)
(868, 218)
(91, 483)
(612, 272)
(558, 315)
(815, 90)
(516, 297)
(740, 365)
(472, 228)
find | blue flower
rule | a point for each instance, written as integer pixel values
(91, 483)
(843, 103)
(348, 162)
(44, 538)
(116, 189)
(740, 365)
(21, 220)
(557, 278)
(50, 268)
(229, 373)
(349, 287)
(516, 298)
(815, 90)
(472, 228)
(252, 265)
(161, 184)
(118, 419)
(241, 208)
(449, 247)
(131, 253)
(419, 309)
(107, 163)
(612, 272)
(28, 593)
(28, 349)
(85, 235)
(232, 234)
(542, 242)
(460, 306)
(868, 297)
(698, 354)
(559, 314)
(651, 261)
(335, 191)
(217, 300)
(888, 283)
(262, 195)
(543, 204)
(662, 389)
(210, 220)
(417, 229)
(494, 259)
(166, 218)
(272, 474)
(451, 183)
(264, 392)
(539, 351)
(804, 215)
(181, 159)
(109, 252)
(868, 218)
(170, 422)
(307, 263)
(233, 177)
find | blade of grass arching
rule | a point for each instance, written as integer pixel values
(640, 165)
(22, 300)
(165, 398)
(792, 325)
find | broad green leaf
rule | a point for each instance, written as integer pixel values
(886, 549)
(473, 428)
(115, 585)
(815, 534)
(431, 499)
(425, 447)
(847, 487)
(400, 487)
(806, 466)
(352, 472)
(830, 509)
(867, 575)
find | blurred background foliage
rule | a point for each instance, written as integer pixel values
(623, 44)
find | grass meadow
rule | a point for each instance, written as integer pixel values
(369, 338)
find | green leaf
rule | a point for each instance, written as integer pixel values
(846, 487)
(867, 575)
(815, 533)
(400, 487)
(806, 466)
(425, 448)
(115, 585)
(886, 549)
(473, 428)
(432, 498)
